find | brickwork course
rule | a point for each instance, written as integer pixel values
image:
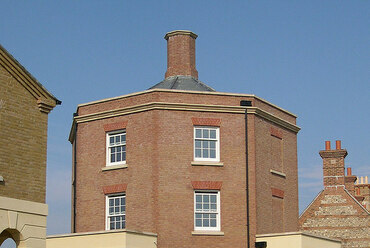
(160, 174)
(338, 211)
(24, 108)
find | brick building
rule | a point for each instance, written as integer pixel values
(24, 108)
(339, 210)
(171, 160)
(362, 191)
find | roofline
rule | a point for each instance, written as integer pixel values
(356, 201)
(28, 74)
(309, 205)
(187, 92)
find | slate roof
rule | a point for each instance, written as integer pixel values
(182, 83)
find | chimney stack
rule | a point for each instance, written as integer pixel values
(181, 54)
(333, 165)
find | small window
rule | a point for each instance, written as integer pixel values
(116, 148)
(206, 144)
(207, 211)
(116, 212)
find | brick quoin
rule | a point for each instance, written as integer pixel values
(206, 122)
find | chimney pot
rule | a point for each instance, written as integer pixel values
(349, 171)
(338, 144)
(181, 54)
(327, 145)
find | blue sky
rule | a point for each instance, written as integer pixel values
(309, 57)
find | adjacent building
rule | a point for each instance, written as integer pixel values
(197, 167)
(24, 108)
(339, 210)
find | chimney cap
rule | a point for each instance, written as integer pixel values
(180, 32)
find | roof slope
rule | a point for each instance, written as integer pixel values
(45, 99)
(182, 83)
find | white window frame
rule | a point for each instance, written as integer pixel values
(217, 158)
(107, 215)
(217, 212)
(108, 147)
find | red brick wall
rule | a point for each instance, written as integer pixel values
(285, 151)
(159, 173)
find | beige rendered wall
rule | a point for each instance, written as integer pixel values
(106, 239)
(297, 240)
(24, 221)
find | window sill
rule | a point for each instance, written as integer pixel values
(207, 233)
(114, 167)
(278, 173)
(207, 163)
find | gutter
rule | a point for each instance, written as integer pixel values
(74, 175)
(246, 103)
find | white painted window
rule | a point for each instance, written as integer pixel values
(206, 144)
(116, 147)
(207, 210)
(115, 212)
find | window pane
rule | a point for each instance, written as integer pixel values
(198, 144)
(124, 156)
(212, 134)
(111, 140)
(212, 144)
(198, 216)
(206, 222)
(111, 202)
(111, 211)
(118, 148)
(213, 198)
(213, 206)
(205, 198)
(198, 222)
(205, 153)
(118, 225)
(205, 206)
(198, 153)
(198, 198)
(116, 201)
(198, 206)
(118, 139)
(123, 138)
(205, 144)
(213, 222)
(205, 133)
(212, 153)
(112, 158)
(113, 150)
(119, 157)
(198, 133)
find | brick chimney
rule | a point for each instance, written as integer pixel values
(350, 181)
(181, 53)
(333, 165)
